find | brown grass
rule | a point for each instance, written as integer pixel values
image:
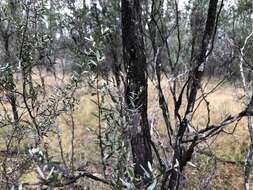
(223, 102)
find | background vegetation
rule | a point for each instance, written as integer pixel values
(129, 94)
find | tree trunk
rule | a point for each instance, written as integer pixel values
(183, 154)
(136, 86)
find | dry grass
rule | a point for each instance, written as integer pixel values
(223, 102)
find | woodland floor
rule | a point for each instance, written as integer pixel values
(224, 101)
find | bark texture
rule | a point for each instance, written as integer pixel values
(136, 85)
(183, 154)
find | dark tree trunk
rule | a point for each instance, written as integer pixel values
(183, 154)
(136, 85)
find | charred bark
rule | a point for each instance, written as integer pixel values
(136, 85)
(182, 153)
